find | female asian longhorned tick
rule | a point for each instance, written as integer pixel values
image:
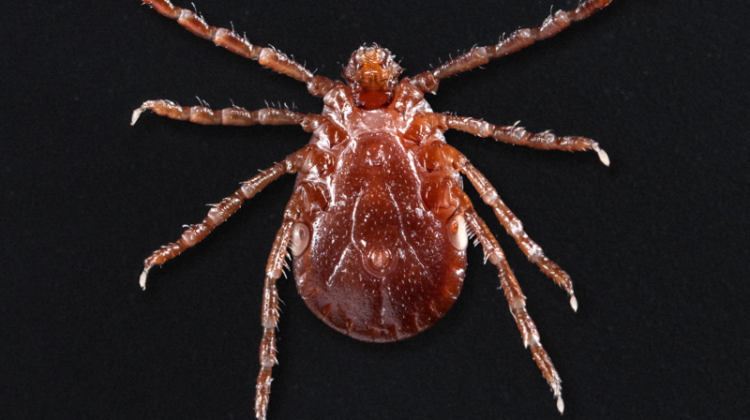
(378, 223)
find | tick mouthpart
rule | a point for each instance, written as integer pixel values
(372, 76)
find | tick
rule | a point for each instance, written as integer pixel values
(378, 223)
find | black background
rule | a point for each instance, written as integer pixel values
(656, 244)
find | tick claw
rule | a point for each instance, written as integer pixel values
(574, 303)
(142, 279)
(560, 405)
(602, 156)
(136, 114)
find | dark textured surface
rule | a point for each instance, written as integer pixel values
(656, 244)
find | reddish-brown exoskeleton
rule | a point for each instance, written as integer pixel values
(378, 223)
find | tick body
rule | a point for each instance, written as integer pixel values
(378, 223)
(380, 265)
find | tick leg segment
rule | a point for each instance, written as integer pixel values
(514, 227)
(267, 57)
(518, 136)
(221, 212)
(522, 38)
(517, 302)
(235, 116)
(510, 222)
(270, 306)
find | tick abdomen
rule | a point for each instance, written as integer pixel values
(379, 266)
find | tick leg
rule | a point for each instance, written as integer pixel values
(517, 302)
(514, 227)
(518, 136)
(522, 38)
(235, 116)
(221, 212)
(270, 306)
(510, 222)
(267, 57)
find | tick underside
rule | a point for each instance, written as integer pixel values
(378, 223)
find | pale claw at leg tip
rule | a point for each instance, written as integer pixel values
(136, 114)
(574, 303)
(602, 156)
(560, 405)
(142, 280)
